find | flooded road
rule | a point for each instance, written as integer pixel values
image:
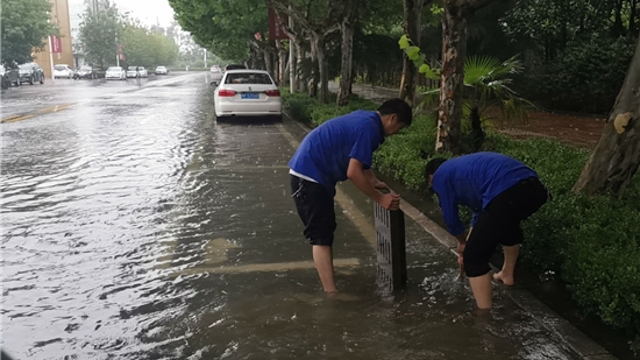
(134, 226)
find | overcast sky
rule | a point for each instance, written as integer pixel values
(149, 12)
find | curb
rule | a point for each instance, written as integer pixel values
(561, 328)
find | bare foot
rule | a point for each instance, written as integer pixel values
(507, 280)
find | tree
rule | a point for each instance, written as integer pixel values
(318, 20)
(411, 25)
(24, 27)
(616, 157)
(454, 53)
(99, 32)
(226, 28)
(148, 48)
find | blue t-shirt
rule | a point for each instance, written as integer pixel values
(474, 180)
(325, 152)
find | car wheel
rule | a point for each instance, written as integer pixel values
(42, 80)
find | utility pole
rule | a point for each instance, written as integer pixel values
(205, 58)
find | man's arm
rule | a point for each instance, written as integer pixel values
(356, 174)
(374, 180)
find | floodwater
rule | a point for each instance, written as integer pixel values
(134, 226)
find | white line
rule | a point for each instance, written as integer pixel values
(272, 267)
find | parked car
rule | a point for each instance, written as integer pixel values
(161, 70)
(31, 73)
(132, 72)
(86, 72)
(234, 67)
(9, 77)
(62, 71)
(115, 73)
(216, 75)
(247, 93)
(144, 73)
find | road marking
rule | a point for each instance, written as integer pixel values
(269, 267)
(46, 110)
(363, 223)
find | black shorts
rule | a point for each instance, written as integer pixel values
(315, 207)
(499, 223)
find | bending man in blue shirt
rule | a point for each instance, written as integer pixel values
(501, 192)
(341, 149)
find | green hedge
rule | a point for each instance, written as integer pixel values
(591, 244)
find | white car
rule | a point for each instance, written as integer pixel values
(216, 74)
(247, 93)
(144, 73)
(115, 73)
(62, 71)
(161, 70)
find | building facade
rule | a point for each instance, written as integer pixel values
(60, 17)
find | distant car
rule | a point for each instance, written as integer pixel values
(31, 73)
(143, 72)
(234, 67)
(132, 72)
(86, 72)
(9, 77)
(115, 73)
(247, 93)
(62, 71)
(216, 74)
(161, 70)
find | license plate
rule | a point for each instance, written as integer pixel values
(250, 96)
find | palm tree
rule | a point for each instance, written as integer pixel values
(486, 86)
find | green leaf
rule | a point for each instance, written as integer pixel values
(413, 52)
(404, 42)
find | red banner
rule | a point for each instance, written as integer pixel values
(276, 31)
(56, 44)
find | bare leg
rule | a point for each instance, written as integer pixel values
(481, 287)
(323, 259)
(506, 275)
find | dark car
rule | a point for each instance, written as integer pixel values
(86, 72)
(31, 73)
(9, 77)
(234, 67)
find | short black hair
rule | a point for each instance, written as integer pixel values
(432, 166)
(398, 107)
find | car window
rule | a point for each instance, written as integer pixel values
(248, 78)
(61, 67)
(88, 68)
(132, 67)
(114, 68)
(25, 67)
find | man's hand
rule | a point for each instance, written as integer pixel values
(390, 201)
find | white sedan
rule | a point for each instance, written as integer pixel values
(247, 93)
(62, 71)
(115, 72)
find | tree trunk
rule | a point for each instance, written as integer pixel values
(282, 62)
(293, 68)
(301, 73)
(346, 67)
(615, 159)
(412, 11)
(315, 68)
(323, 68)
(454, 53)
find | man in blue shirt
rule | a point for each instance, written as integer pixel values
(341, 149)
(501, 192)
